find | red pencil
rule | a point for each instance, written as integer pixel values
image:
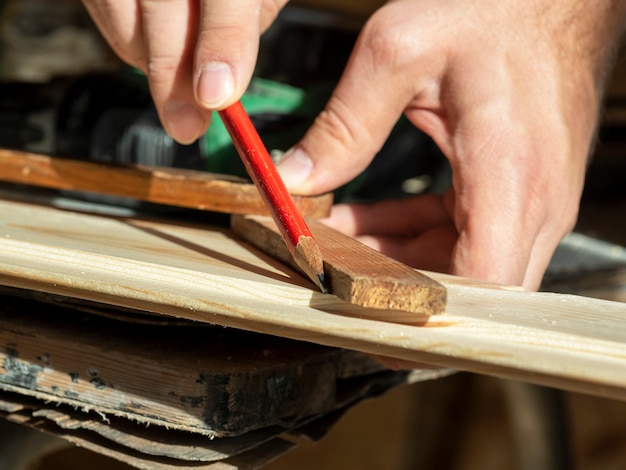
(279, 202)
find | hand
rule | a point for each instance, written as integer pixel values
(510, 93)
(425, 241)
(199, 55)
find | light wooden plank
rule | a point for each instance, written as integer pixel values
(565, 341)
(176, 187)
(353, 272)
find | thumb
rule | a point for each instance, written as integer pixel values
(351, 129)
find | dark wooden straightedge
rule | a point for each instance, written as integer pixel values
(353, 272)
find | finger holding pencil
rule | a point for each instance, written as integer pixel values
(259, 165)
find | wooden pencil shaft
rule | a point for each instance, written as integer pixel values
(281, 206)
(264, 174)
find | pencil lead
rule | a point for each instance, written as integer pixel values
(321, 284)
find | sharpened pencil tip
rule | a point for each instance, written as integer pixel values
(308, 257)
(321, 284)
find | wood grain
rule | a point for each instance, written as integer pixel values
(196, 378)
(170, 395)
(141, 448)
(176, 187)
(353, 272)
(564, 341)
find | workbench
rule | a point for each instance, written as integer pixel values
(121, 319)
(160, 391)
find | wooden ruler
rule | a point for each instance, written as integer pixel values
(175, 187)
(354, 272)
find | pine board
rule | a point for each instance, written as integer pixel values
(206, 274)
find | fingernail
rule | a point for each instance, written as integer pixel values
(182, 121)
(294, 168)
(215, 84)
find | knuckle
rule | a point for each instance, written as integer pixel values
(559, 206)
(392, 46)
(226, 42)
(269, 11)
(164, 74)
(134, 56)
(160, 66)
(338, 123)
(382, 43)
(213, 33)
